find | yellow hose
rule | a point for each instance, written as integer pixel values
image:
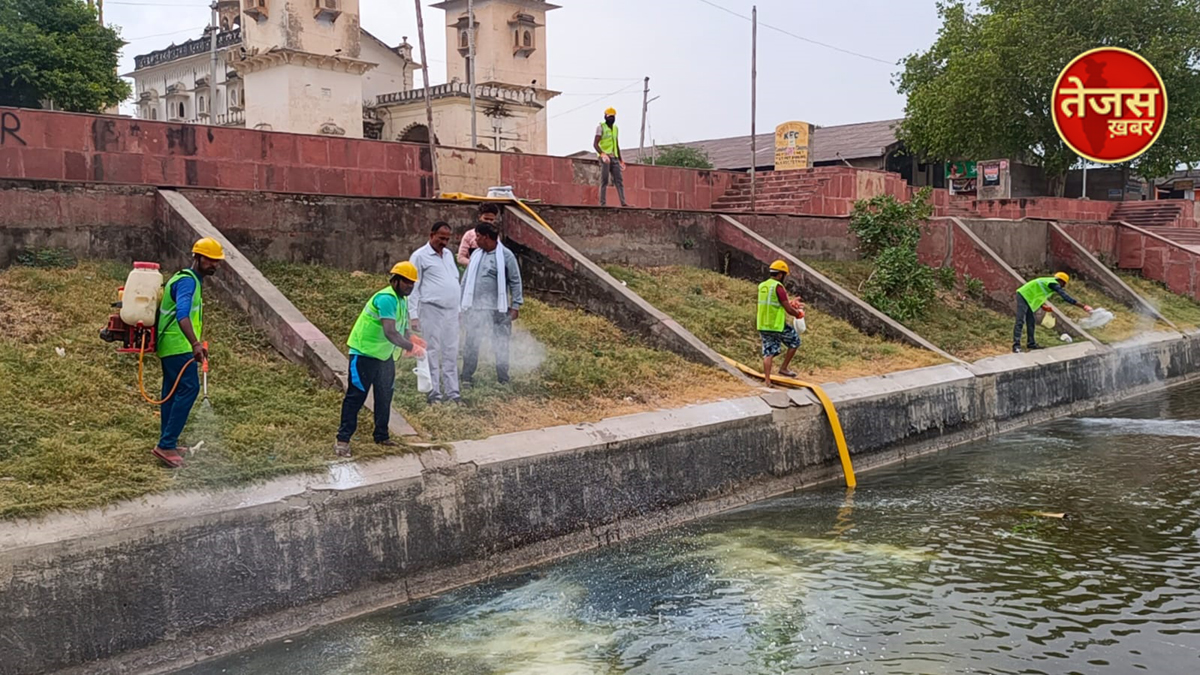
(462, 196)
(834, 423)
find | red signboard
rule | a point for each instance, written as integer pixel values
(1109, 105)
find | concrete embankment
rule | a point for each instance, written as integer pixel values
(161, 583)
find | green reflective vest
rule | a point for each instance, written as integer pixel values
(171, 340)
(771, 315)
(368, 337)
(1037, 291)
(608, 139)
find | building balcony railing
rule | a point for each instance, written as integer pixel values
(231, 119)
(482, 91)
(200, 45)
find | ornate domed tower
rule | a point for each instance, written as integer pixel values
(229, 14)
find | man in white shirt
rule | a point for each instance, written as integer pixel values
(433, 309)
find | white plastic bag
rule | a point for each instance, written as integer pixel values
(1097, 319)
(799, 324)
(424, 381)
(501, 191)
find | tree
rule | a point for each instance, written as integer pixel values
(55, 50)
(684, 156)
(984, 89)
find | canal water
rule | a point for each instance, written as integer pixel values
(954, 563)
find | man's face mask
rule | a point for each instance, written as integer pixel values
(610, 120)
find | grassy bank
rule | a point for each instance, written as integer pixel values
(1179, 309)
(567, 366)
(958, 323)
(720, 311)
(74, 431)
(1126, 322)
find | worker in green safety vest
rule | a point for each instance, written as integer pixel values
(379, 334)
(180, 346)
(607, 144)
(1032, 296)
(774, 328)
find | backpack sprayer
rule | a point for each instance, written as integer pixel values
(134, 326)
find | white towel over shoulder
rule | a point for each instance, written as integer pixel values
(468, 297)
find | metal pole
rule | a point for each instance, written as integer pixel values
(753, 106)
(471, 67)
(428, 102)
(212, 78)
(645, 104)
(1084, 195)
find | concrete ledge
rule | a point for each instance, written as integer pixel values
(173, 579)
(269, 310)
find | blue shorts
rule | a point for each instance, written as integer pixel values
(774, 342)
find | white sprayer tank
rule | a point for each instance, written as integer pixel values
(143, 288)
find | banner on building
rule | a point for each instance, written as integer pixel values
(961, 177)
(792, 146)
(991, 174)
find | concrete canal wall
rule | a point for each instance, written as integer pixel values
(172, 579)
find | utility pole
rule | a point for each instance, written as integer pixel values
(753, 106)
(645, 104)
(471, 67)
(428, 102)
(212, 78)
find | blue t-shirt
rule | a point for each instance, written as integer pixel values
(182, 293)
(387, 306)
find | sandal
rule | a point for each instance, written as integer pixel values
(788, 373)
(173, 458)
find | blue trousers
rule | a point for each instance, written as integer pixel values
(176, 409)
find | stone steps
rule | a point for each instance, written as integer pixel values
(1148, 214)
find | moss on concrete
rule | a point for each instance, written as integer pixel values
(75, 432)
(720, 310)
(958, 323)
(568, 366)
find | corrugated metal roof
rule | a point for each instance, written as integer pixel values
(829, 144)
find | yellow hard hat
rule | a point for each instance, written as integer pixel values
(1063, 277)
(610, 111)
(780, 266)
(209, 248)
(406, 270)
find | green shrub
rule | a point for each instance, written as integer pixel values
(888, 232)
(47, 258)
(947, 278)
(974, 287)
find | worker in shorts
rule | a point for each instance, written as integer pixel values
(774, 327)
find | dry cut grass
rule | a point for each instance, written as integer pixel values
(1179, 309)
(1126, 322)
(567, 367)
(720, 310)
(74, 432)
(958, 323)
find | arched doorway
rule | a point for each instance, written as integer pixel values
(415, 133)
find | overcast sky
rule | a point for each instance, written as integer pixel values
(696, 55)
